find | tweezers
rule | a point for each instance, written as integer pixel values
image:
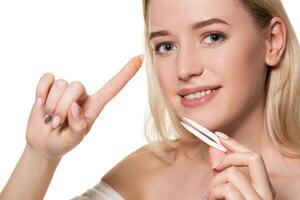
(203, 133)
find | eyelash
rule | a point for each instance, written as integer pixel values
(159, 45)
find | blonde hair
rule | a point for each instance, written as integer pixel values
(282, 90)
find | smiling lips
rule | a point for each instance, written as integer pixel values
(192, 100)
(186, 91)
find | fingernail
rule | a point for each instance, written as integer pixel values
(55, 122)
(39, 102)
(222, 135)
(138, 61)
(75, 110)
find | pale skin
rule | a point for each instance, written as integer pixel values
(252, 169)
(45, 144)
(238, 63)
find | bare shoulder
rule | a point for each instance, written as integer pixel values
(135, 173)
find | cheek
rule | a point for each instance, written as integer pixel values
(166, 77)
(248, 68)
(243, 72)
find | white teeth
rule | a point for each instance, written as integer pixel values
(198, 94)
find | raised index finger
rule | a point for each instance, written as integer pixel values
(114, 85)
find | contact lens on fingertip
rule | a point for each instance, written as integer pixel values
(139, 61)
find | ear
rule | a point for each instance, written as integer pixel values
(275, 41)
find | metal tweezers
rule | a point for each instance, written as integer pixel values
(203, 133)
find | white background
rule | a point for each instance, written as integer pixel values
(88, 41)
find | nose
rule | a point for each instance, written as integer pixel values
(188, 63)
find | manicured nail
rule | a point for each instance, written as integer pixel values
(39, 102)
(56, 121)
(75, 110)
(222, 135)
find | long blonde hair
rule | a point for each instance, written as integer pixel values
(282, 89)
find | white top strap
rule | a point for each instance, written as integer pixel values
(101, 191)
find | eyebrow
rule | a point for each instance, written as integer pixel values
(197, 25)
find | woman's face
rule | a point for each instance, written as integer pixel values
(225, 51)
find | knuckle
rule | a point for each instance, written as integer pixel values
(61, 83)
(81, 127)
(256, 157)
(47, 76)
(232, 171)
(50, 108)
(44, 82)
(77, 84)
(49, 111)
(59, 112)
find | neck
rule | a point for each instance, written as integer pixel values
(251, 132)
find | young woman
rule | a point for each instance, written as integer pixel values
(232, 66)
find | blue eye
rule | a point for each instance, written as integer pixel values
(164, 47)
(215, 37)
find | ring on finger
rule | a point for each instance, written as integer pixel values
(47, 119)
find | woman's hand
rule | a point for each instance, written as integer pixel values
(235, 183)
(76, 111)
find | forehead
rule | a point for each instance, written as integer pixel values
(169, 14)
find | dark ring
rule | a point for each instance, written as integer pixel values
(47, 119)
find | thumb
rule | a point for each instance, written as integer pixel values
(76, 120)
(215, 156)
